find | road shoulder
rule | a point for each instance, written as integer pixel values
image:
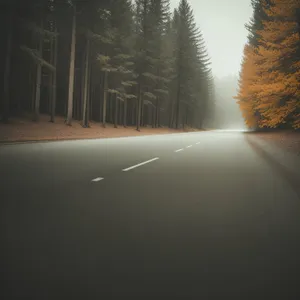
(287, 163)
(23, 130)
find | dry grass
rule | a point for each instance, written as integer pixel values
(23, 129)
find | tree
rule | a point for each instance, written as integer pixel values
(247, 98)
(72, 66)
(191, 65)
(116, 61)
(269, 84)
(9, 26)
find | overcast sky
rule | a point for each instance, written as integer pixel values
(222, 24)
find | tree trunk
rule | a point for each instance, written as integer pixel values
(104, 99)
(85, 87)
(54, 91)
(89, 99)
(32, 88)
(7, 68)
(158, 114)
(116, 111)
(111, 108)
(38, 80)
(177, 106)
(125, 114)
(119, 119)
(153, 116)
(82, 84)
(142, 111)
(138, 109)
(50, 76)
(186, 114)
(133, 114)
(171, 109)
(71, 71)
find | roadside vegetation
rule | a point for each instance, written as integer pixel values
(269, 85)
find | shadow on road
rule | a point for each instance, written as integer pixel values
(292, 177)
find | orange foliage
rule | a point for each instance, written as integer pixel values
(246, 97)
(273, 88)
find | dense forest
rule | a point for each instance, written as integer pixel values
(111, 61)
(269, 85)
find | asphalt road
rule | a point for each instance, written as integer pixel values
(180, 216)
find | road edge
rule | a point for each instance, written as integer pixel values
(19, 142)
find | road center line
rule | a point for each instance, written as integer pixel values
(189, 146)
(97, 179)
(138, 165)
(178, 150)
(198, 143)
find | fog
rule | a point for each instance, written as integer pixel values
(222, 25)
(227, 114)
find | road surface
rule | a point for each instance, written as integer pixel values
(179, 216)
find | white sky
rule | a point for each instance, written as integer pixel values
(222, 24)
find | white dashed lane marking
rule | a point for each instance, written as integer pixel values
(189, 146)
(97, 179)
(140, 164)
(178, 150)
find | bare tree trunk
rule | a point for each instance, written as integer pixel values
(125, 114)
(153, 115)
(89, 100)
(139, 100)
(111, 108)
(85, 87)
(33, 78)
(116, 112)
(54, 90)
(171, 106)
(71, 71)
(82, 85)
(120, 116)
(187, 114)
(177, 106)
(7, 68)
(104, 99)
(133, 114)
(158, 114)
(142, 111)
(38, 79)
(50, 76)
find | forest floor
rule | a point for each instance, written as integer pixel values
(287, 140)
(23, 129)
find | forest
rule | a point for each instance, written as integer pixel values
(127, 63)
(269, 84)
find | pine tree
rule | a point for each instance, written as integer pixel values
(191, 65)
(111, 61)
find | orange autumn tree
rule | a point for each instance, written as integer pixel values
(278, 66)
(246, 97)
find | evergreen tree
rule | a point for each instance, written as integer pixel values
(118, 61)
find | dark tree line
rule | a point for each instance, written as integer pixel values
(117, 61)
